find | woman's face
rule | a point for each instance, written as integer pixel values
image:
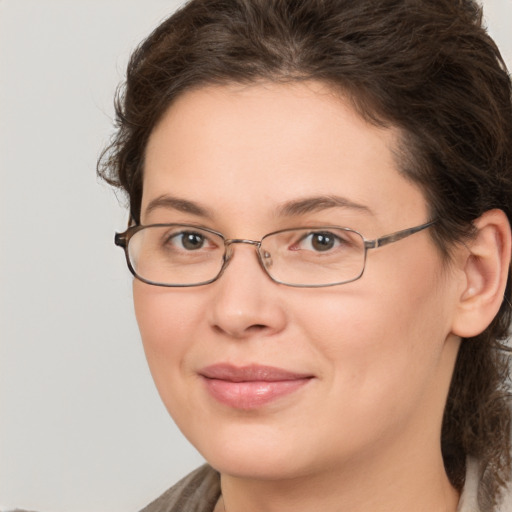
(358, 371)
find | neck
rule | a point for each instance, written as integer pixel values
(384, 487)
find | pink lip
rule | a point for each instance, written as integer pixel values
(249, 387)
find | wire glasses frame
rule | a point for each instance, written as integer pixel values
(265, 258)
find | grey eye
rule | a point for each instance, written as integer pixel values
(191, 241)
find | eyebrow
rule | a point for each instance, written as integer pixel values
(178, 204)
(319, 203)
(289, 209)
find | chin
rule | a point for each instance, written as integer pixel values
(260, 453)
(255, 467)
(245, 451)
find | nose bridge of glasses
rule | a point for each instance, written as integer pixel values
(264, 259)
(231, 241)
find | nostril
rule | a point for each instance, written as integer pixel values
(256, 328)
(240, 333)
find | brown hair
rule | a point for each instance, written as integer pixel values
(427, 67)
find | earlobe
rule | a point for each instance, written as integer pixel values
(486, 266)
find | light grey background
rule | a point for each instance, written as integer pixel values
(81, 426)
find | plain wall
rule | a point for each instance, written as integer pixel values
(81, 426)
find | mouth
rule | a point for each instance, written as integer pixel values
(252, 386)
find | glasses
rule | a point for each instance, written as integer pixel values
(182, 255)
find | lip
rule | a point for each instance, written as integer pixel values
(252, 386)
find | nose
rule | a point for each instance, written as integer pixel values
(245, 301)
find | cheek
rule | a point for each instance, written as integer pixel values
(377, 334)
(411, 297)
(167, 320)
(163, 314)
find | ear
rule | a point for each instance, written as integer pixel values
(485, 262)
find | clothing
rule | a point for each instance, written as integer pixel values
(200, 490)
(197, 492)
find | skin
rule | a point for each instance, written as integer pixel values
(363, 434)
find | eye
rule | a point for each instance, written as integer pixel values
(188, 240)
(321, 241)
(192, 241)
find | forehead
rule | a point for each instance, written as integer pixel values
(237, 147)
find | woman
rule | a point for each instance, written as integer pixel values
(320, 195)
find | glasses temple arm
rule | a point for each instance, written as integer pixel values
(398, 235)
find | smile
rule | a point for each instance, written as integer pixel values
(250, 387)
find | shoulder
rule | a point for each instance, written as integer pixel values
(197, 492)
